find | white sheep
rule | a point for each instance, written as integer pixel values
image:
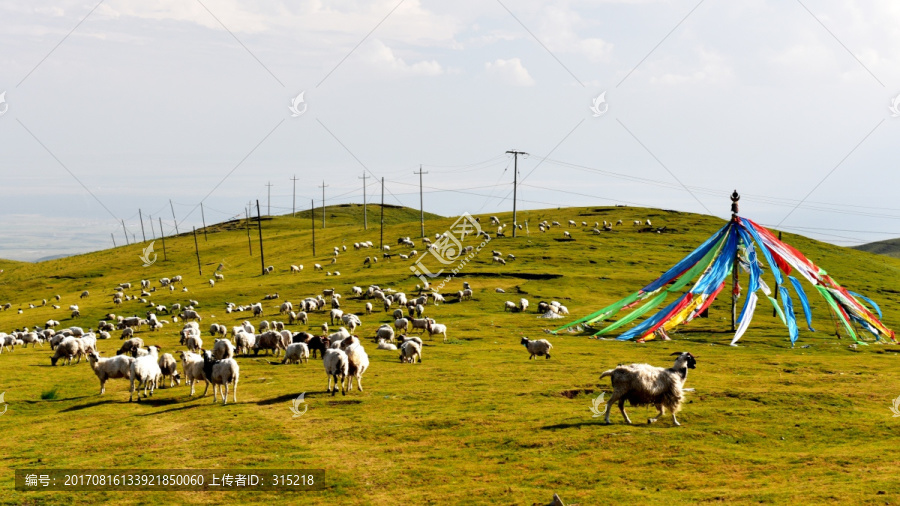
(109, 368)
(337, 368)
(70, 347)
(436, 328)
(145, 372)
(296, 352)
(537, 348)
(409, 350)
(644, 384)
(192, 365)
(384, 345)
(523, 305)
(357, 363)
(168, 367)
(221, 373)
(509, 306)
(223, 349)
(193, 343)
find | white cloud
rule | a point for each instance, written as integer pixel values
(510, 71)
(380, 55)
(709, 67)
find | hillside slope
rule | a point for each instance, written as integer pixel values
(889, 247)
(476, 422)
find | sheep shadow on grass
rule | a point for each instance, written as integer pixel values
(89, 405)
(291, 397)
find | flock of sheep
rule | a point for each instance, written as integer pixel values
(342, 352)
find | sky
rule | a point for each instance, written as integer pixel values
(117, 106)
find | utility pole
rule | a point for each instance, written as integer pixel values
(269, 202)
(173, 216)
(124, 232)
(515, 184)
(294, 204)
(262, 258)
(114, 239)
(153, 232)
(365, 214)
(203, 216)
(312, 216)
(142, 225)
(249, 241)
(421, 201)
(381, 246)
(197, 251)
(163, 235)
(735, 197)
(323, 202)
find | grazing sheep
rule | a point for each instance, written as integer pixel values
(222, 349)
(193, 343)
(219, 276)
(192, 365)
(130, 345)
(268, 341)
(221, 373)
(295, 268)
(109, 368)
(537, 348)
(644, 384)
(336, 313)
(190, 314)
(385, 332)
(257, 309)
(409, 350)
(296, 352)
(244, 342)
(168, 367)
(351, 320)
(337, 368)
(509, 306)
(523, 305)
(83, 295)
(145, 372)
(369, 308)
(218, 328)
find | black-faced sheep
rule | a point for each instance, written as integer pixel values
(539, 347)
(644, 384)
(221, 372)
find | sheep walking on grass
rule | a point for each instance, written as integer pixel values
(537, 348)
(337, 368)
(644, 384)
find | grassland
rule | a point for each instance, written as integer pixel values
(476, 422)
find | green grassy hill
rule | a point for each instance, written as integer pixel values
(476, 422)
(889, 247)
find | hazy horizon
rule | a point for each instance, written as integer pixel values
(114, 106)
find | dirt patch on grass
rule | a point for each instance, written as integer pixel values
(571, 394)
